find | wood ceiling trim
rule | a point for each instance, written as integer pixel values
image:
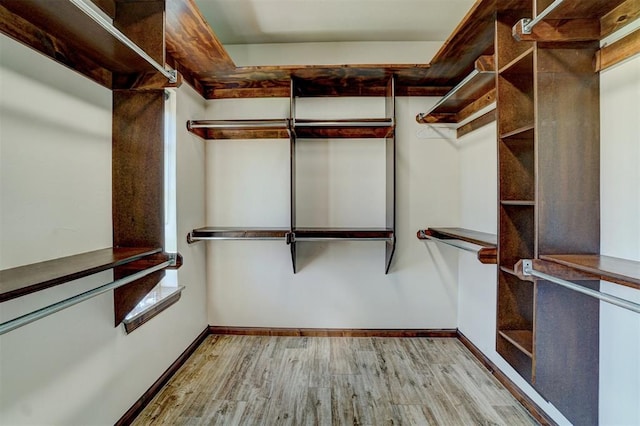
(200, 56)
(192, 43)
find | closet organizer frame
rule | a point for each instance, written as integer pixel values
(296, 130)
(545, 68)
(108, 54)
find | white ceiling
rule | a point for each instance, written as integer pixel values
(303, 21)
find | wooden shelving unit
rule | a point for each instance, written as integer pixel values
(297, 130)
(127, 53)
(369, 128)
(548, 203)
(487, 253)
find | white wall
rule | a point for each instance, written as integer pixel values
(74, 367)
(620, 237)
(339, 284)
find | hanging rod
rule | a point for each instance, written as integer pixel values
(452, 92)
(171, 74)
(527, 269)
(528, 24)
(237, 124)
(8, 326)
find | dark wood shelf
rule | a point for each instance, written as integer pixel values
(240, 129)
(237, 233)
(475, 87)
(63, 32)
(483, 239)
(524, 132)
(487, 254)
(521, 339)
(620, 271)
(16, 282)
(352, 234)
(522, 64)
(344, 128)
(518, 203)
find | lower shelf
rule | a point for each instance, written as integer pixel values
(521, 339)
(299, 235)
(27, 279)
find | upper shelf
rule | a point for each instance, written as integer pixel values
(476, 86)
(62, 31)
(240, 129)
(236, 233)
(16, 282)
(488, 242)
(620, 271)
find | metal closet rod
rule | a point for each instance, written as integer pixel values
(528, 24)
(10, 325)
(527, 269)
(171, 74)
(423, 235)
(452, 92)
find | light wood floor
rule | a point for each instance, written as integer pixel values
(257, 380)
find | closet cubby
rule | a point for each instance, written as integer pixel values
(517, 166)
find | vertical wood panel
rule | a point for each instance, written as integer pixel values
(138, 184)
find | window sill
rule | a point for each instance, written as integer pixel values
(159, 299)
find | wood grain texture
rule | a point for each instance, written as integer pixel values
(483, 120)
(142, 402)
(627, 12)
(620, 271)
(16, 282)
(305, 380)
(138, 185)
(52, 46)
(625, 48)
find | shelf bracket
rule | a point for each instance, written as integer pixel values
(528, 24)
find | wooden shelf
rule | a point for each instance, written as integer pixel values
(344, 128)
(63, 32)
(521, 339)
(240, 129)
(524, 132)
(237, 233)
(346, 234)
(620, 271)
(518, 203)
(522, 64)
(475, 87)
(487, 254)
(28, 279)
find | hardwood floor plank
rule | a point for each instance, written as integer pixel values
(266, 380)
